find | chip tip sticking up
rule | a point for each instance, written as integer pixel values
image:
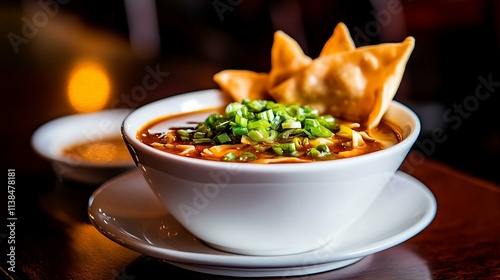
(340, 41)
(287, 58)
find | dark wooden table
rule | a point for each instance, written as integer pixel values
(55, 240)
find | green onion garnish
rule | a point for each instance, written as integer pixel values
(268, 126)
(229, 157)
(247, 156)
(224, 138)
(321, 131)
(238, 130)
(291, 124)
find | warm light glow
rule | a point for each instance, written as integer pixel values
(88, 87)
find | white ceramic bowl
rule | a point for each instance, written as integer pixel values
(50, 139)
(263, 209)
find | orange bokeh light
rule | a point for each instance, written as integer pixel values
(89, 87)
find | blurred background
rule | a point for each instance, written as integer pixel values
(60, 57)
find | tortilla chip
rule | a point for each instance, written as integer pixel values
(340, 41)
(241, 84)
(357, 86)
(287, 58)
(354, 84)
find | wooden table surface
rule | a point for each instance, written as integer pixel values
(55, 240)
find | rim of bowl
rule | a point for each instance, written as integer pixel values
(406, 143)
(44, 139)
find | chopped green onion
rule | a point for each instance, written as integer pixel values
(293, 110)
(277, 121)
(291, 132)
(273, 134)
(198, 135)
(229, 157)
(309, 134)
(258, 135)
(277, 150)
(280, 109)
(221, 124)
(182, 132)
(309, 123)
(247, 156)
(323, 148)
(321, 131)
(289, 149)
(291, 124)
(327, 121)
(270, 104)
(202, 127)
(243, 111)
(238, 130)
(258, 123)
(233, 108)
(297, 142)
(269, 114)
(312, 113)
(241, 121)
(314, 153)
(256, 105)
(320, 151)
(212, 119)
(224, 138)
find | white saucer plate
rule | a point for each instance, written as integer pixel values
(50, 139)
(126, 211)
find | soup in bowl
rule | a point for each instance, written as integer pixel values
(258, 208)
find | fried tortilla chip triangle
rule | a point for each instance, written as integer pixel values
(241, 84)
(287, 58)
(340, 41)
(356, 86)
